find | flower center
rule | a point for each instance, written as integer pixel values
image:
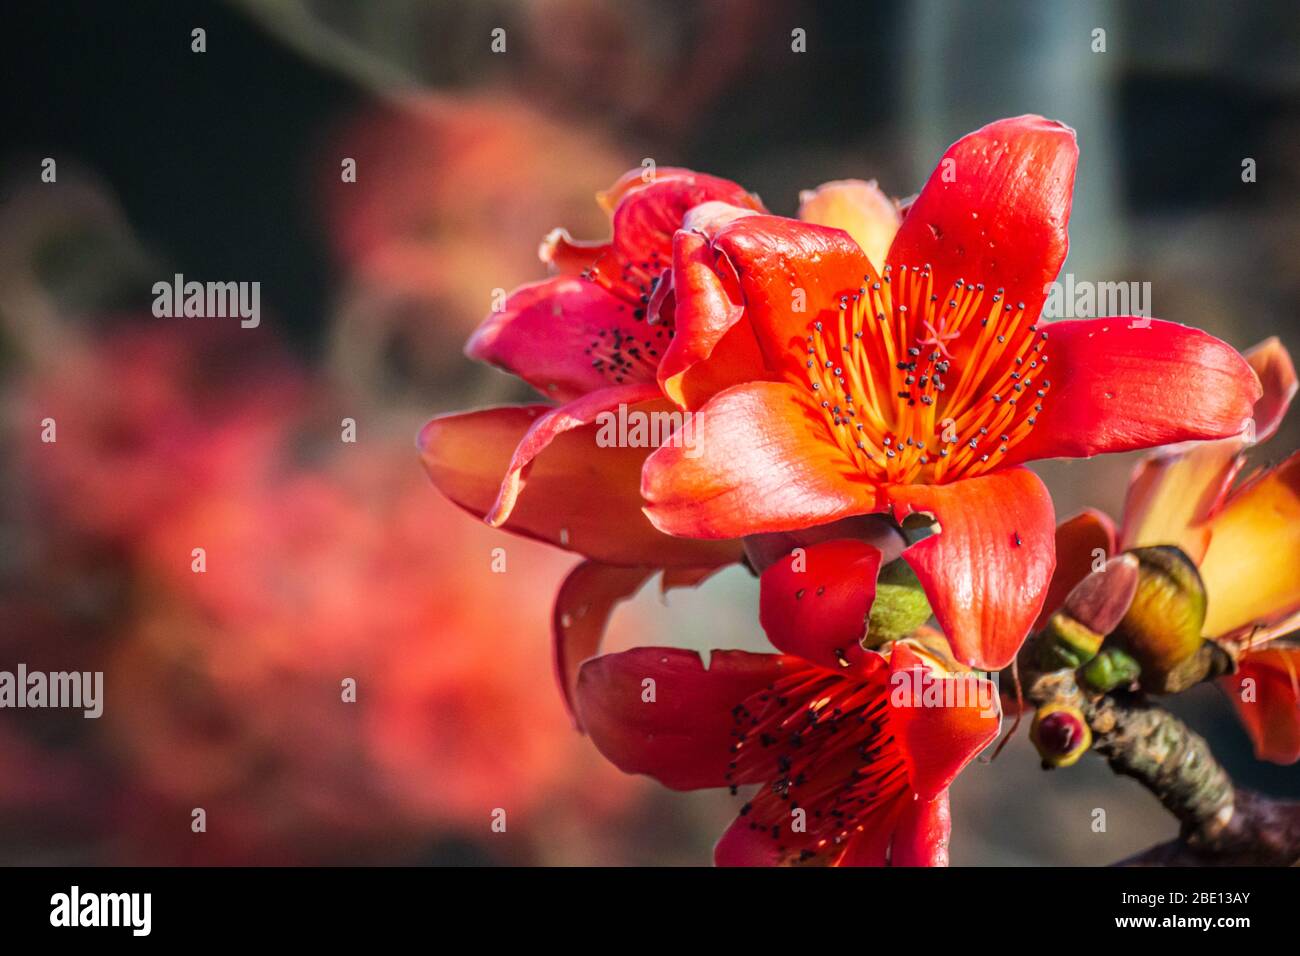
(921, 387)
(820, 741)
(625, 357)
(630, 351)
(631, 280)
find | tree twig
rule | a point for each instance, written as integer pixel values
(1221, 824)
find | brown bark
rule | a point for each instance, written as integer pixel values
(1221, 825)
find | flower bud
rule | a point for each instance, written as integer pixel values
(900, 606)
(1209, 661)
(1101, 600)
(1074, 634)
(1066, 644)
(1061, 734)
(1162, 629)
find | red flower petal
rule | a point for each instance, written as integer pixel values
(1077, 539)
(581, 497)
(870, 847)
(684, 737)
(568, 256)
(995, 210)
(790, 274)
(583, 606)
(1272, 363)
(1120, 384)
(814, 603)
(922, 833)
(938, 741)
(744, 844)
(708, 329)
(986, 572)
(647, 216)
(763, 550)
(1270, 678)
(645, 220)
(1176, 490)
(760, 461)
(636, 178)
(576, 414)
(640, 177)
(566, 337)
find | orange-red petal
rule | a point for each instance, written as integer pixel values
(762, 550)
(581, 497)
(567, 256)
(937, 742)
(815, 602)
(1265, 692)
(545, 429)
(711, 347)
(640, 177)
(789, 274)
(922, 834)
(870, 846)
(647, 216)
(583, 607)
(1121, 384)
(986, 571)
(996, 210)
(679, 728)
(761, 461)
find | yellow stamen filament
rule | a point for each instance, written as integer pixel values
(918, 387)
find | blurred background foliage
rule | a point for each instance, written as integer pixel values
(331, 560)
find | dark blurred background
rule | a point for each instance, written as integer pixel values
(225, 165)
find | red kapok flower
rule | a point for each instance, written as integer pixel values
(597, 324)
(923, 386)
(854, 762)
(591, 337)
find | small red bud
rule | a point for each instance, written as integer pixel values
(1061, 734)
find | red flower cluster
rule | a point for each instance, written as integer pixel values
(844, 376)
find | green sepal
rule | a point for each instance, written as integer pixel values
(1066, 644)
(900, 606)
(1110, 669)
